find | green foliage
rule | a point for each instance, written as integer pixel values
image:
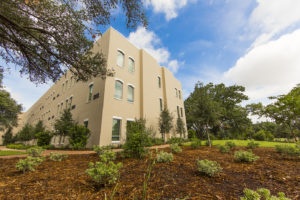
(148, 175)
(156, 141)
(175, 148)
(29, 163)
(26, 133)
(245, 156)
(101, 150)
(224, 148)
(57, 156)
(35, 151)
(78, 136)
(252, 145)
(165, 122)
(287, 150)
(107, 156)
(18, 146)
(175, 140)
(208, 167)
(163, 156)
(39, 127)
(191, 134)
(43, 138)
(63, 125)
(103, 173)
(230, 144)
(263, 135)
(298, 145)
(262, 194)
(8, 138)
(196, 143)
(207, 143)
(180, 127)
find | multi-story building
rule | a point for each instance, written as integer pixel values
(140, 88)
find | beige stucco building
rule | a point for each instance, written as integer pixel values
(139, 89)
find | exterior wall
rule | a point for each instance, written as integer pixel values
(101, 111)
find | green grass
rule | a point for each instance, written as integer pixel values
(9, 153)
(245, 142)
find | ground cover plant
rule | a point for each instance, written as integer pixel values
(29, 163)
(252, 145)
(18, 146)
(178, 179)
(163, 156)
(262, 194)
(224, 148)
(175, 148)
(57, 156)
(288, 150)
(208, 167)
(9, 153)
(245, 156)
(35, 151)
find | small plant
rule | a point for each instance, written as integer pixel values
(284, 149)
(245, 156)
(103, 173)
(107, 156)
(252, 145)
(176, 140)
(298, 145)
(35, 151)
(175, 148)
(164, 157)
(148, 175)
(100, 150)
(17, 146)
(262, 194)
(196, 143)
(224, 148)
(230, 144)
(207, 143)
(29, 163)
(57, 156)
(208, 167)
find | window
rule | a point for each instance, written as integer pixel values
(178, 111)
(118, 89)
(120, 58)
(66, 86)
(63, 87)
(176, 92)
(71, 81)
(67, 104)
(86, 123)
(181, 112)
(160, 104)
(57, 108)
(70, 102)
(130, 65)
(61, 106)
(130, 93)
(91, 86)
(179, 94)
(159, 82)
(116, 130)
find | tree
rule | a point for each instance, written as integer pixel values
(78, 136)
(63, 125)
(43, 138)
(165, 122)
(26, 133)
(39, 127)
(44, 38)
(180, 127)
(8, 138)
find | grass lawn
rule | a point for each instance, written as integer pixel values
(9, 153)
(245, 142)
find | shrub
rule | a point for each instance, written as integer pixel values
(175, 148)
(230, 144)
(103, 173)
(100, 150)
(298, 145)
(78, 136)
(284, 149)
(208, 167)
(107, 156)
(57, 156)
(29, 163)
(196, 143)
(156, 141)
(207, 143)
(135, 145)
(224, 148)
(191, 134)
(18, 146)
(252, 145)
(263, 194)
(43, 138)
(245, 156)
(164, 157)
(263, 135)
(8, 137)
(35, 151)
(176, 140)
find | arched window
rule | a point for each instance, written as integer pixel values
(130, 93)
(130, 65)
(118, 89)
(120, 58)
(91, 86)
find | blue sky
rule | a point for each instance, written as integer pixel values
(254, 43)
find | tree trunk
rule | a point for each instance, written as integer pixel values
(208, 138)
(292, 132)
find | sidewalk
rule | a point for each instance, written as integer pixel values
(68, 152)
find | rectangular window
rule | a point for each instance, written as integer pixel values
(70, 102)
(176, 92)
(118, 89)
(120, 58)
(178, 111)
(160, 104)
(179, 94)
(130, 65)
(181, 112)
(66, 85)
(61, 106)
(116, 130)
(57, 109)
(130, 93)
(86, 123)
(71, 81)
(67, 104)
(159, 82)
(63, 87)
(90, 92)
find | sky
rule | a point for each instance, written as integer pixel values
(253, 43)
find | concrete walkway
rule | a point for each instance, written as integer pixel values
(68, 152)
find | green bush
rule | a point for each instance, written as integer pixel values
(230, 144)
(263, 136)
(18, 146)
(262, 194)
(298, 145)
(196, 143)
(207, 143)
(245, 156)
(156, 141)
(175, 148)
(29, 163)
(78, 136)
(191, 134)
(284, 149)
(107, 156)
(100, 150)
(252, 145)
(57, 156)
(43, 138)
(35, 151)
(224, 148)
(8, 137)
(164, 157)
(208, 167)
(176, 140)
(103, 173)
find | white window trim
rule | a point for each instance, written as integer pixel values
(131, 58)
(116, 117)
(117, 79)
(129, 84)
(123, 55)
(71, 96)
(85, 120)
(91, 83)
(121, 51)
(130, 119)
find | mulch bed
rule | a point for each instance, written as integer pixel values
(178, 179)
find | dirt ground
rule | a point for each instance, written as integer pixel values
(174, 180)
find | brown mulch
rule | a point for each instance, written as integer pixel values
(178, 179)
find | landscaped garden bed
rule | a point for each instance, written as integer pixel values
(176, 179)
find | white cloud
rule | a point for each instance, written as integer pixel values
(168, 7)
(149, 41)
(269, 69)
